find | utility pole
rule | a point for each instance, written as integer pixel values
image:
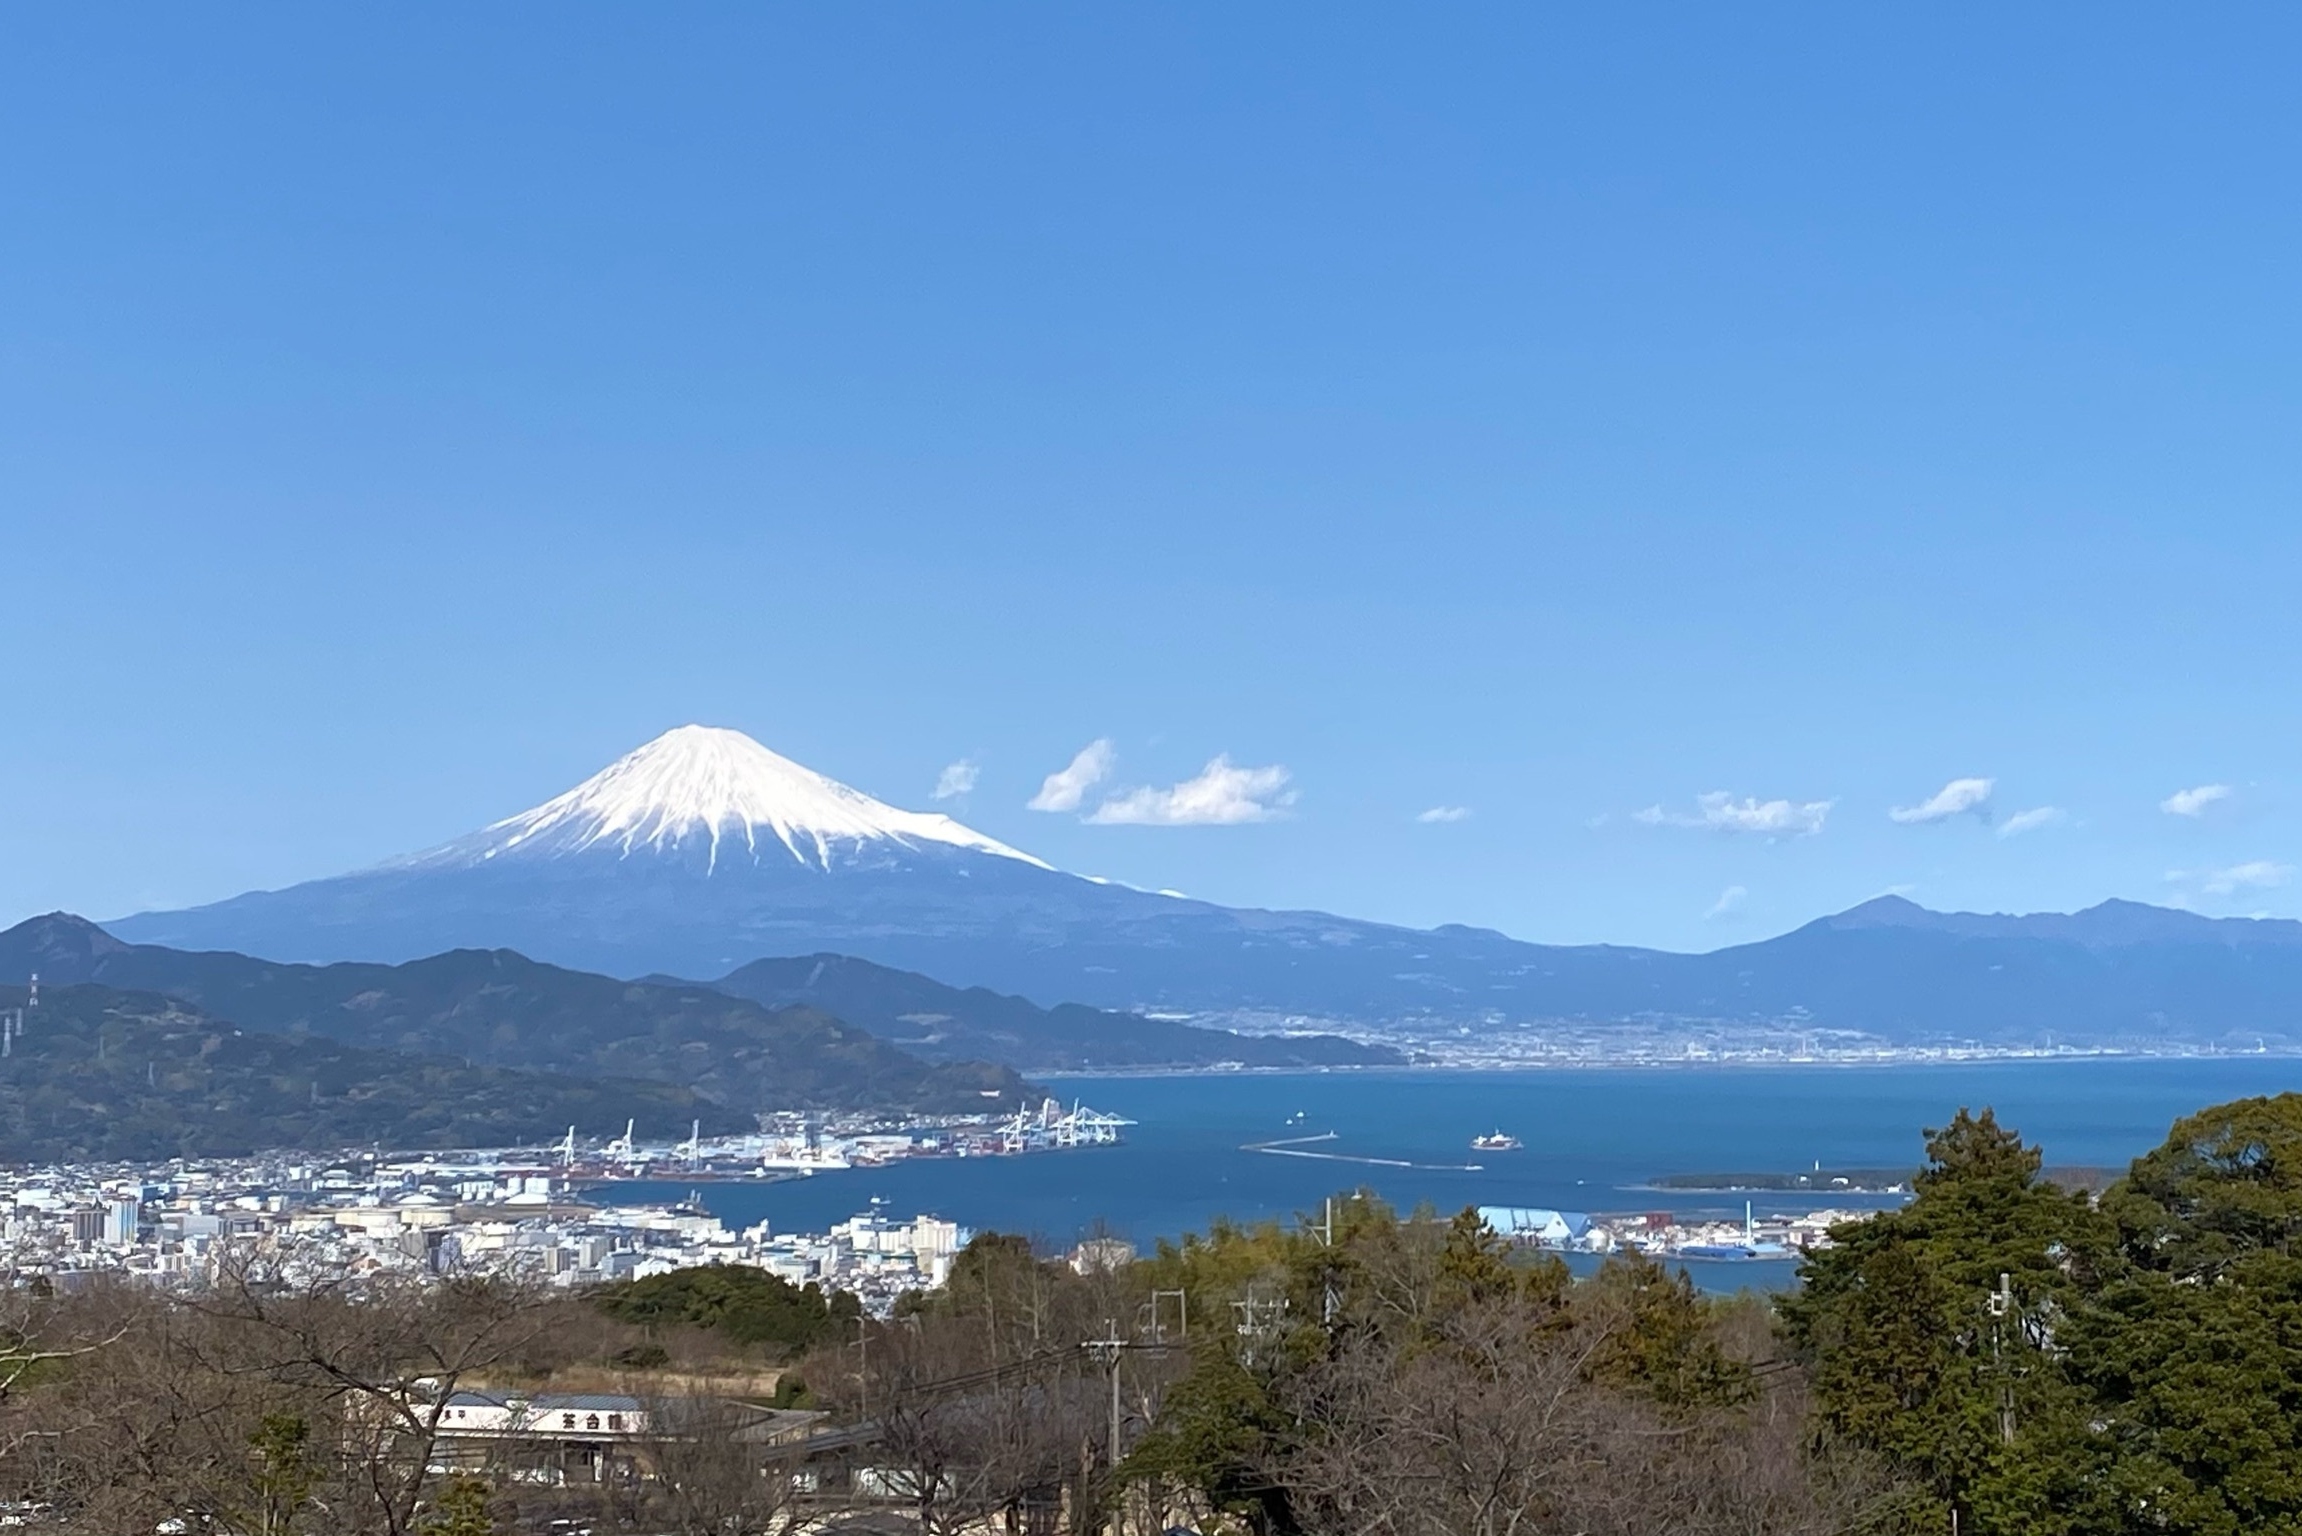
(2002, 1308)
(1182, 1315)
(1105, 1352)
(1328, 1301)
(1110, 1349)
(1258, 1319)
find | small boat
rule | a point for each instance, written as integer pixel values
(1498, 1142)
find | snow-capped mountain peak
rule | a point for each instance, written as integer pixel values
(703, 786)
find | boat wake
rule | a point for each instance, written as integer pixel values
(1298, 1146)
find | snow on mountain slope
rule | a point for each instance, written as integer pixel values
(719, 789)
(703, 852)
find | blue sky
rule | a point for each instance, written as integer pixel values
(1557, 417)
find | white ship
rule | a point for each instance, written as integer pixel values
(804, 1154)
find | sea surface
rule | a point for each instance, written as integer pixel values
(1594, 1139)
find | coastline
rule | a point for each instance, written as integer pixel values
(1661, 1064)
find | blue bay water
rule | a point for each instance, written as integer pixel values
(1593, 1138)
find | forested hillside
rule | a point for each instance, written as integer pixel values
(497, 1008)
(104, 1075)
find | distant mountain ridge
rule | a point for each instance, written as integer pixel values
(2106, 924)
(498, 1008)
(702, 851)
(941, 1023)
(2116, 974)
(661, 865)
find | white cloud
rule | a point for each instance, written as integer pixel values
(2193, 802)
(1065, 788)
(956, 779)
(2031, 820)
(1956, 798)
(1439, 813)
(1719, 811)
(1729, 903)
(2253, 875)
(1222, 795)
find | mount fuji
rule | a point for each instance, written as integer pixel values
(703, 851)
(692, 790)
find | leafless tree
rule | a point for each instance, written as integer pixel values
(382, 1354)
(145, 1431)
(264, 1404)
(989, 1402)
(714, 1469)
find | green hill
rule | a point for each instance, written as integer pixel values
(500, 1009)
(102, 1075)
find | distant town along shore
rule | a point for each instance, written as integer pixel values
(1867, 1181)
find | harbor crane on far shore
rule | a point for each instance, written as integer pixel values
(1052, 1126)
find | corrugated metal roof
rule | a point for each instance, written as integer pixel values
(551, 1402)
